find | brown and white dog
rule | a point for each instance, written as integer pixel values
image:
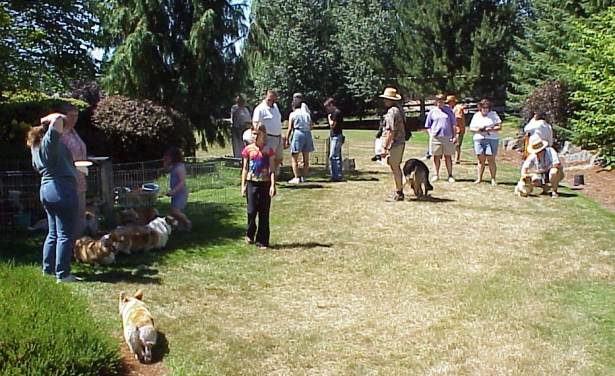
(137, 216)
(94, 252)
(138, 323)
(154, 235)
(524, 187)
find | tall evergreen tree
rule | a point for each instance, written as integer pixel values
(290, 49)
(44, 45)
(455, 45)
(180, 53)
(365, 38)
(543, 52)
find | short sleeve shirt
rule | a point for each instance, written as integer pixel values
(479, 121)
(240, 116)
(270, 117)
(259, 162)
(394, 123)
(338, 118)
(301, 120)
(441, 122)
(459, 112)
(536, 164)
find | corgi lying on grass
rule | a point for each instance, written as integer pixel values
(94, 252)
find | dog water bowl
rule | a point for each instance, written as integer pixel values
(150, 187)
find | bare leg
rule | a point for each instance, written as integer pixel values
(492, 166)
(436, 164)
(458, 153)
(481, 167)
(181, 217)
(295, 165)
(448, 160)
(306, 163)
(554, 177)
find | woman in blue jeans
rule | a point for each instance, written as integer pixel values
(58, 192)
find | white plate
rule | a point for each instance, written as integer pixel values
(83, 163)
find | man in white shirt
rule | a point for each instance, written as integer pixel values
(542, 165)
(268, 114)
(538, 125)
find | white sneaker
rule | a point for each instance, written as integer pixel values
(302, 179)
(493, 182)
(68, 279)
(435, 178)
(451, 179)
(294, 181)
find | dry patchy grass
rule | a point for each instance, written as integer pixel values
(479, 283)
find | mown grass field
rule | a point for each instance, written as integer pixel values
(473, 282)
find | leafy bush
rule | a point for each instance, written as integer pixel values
(594, 123)
(46, 330)
(553, 99)
(18, 112)
(137, 130)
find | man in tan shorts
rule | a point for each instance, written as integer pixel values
(394, 138)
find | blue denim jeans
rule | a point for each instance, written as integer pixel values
(335, 156)
(60, 203)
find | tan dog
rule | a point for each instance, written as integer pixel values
(524, 187)
(94, 252)
(137, 216)
(138, 323)
(129, 239)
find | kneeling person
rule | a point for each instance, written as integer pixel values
(542, 165)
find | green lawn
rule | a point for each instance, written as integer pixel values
(473, 282)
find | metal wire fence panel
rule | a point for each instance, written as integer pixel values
(213, 181)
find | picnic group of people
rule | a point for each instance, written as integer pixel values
(257, 138)
(57, 151)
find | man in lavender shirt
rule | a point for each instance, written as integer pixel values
(441, 124)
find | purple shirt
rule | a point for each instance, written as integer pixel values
(441, 122)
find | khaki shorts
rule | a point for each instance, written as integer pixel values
(442, 146)
(275, 142)
(396, 154)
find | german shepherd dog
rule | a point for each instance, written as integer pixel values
(416, 174)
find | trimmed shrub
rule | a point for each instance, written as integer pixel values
(19, 112)
(137, 130)
(47, 330)
(553, 99)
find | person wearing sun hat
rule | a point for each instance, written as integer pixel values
(542, 165)
(394, 138)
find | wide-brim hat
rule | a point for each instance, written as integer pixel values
(391, 93)
(536, 144)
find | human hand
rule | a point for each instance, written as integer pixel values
(243, 191)
(272, 190)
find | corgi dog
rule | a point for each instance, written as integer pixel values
(163, 226)
(524, 187)
(129, 239)
(137, 216)
(94, 252)
(138, 323)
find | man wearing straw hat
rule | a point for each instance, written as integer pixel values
(542, 165)
(394, 138)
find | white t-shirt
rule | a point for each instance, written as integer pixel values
(539, 165)
(479, 121)
(301, 119)
(270, 117)
(541, 128)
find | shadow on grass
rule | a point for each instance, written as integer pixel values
(161, 349)
(213, 224)
(306, 245)
(303, 186)
(435, 200)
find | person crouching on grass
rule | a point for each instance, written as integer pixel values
(258, 185)
(174, 161)
(542, 166)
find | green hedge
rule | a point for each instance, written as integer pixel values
(47, 330)
(18, 112)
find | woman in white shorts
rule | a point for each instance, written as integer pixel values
(486, 125)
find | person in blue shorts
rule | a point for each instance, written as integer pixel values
(299, 138)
